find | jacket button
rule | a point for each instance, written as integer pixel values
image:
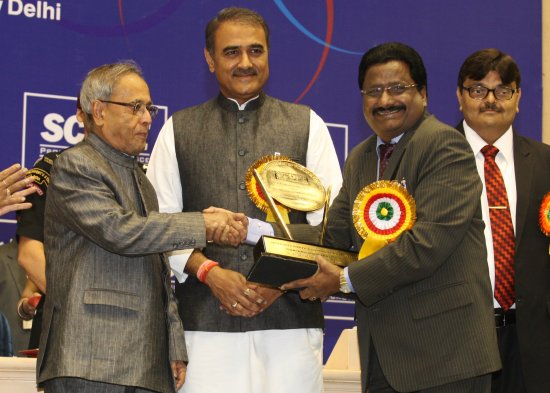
(242, 186)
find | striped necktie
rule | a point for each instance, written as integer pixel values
(502, 229)
(385, 151)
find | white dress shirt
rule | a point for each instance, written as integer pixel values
(505, 162)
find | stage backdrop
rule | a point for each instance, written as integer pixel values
(48, 46)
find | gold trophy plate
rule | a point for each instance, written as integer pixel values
(293, 185)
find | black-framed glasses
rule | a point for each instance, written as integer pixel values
(393, 90)
(479, 92)
(138, 107)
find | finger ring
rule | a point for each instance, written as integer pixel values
(234, 305)
(313, 298)
(247, 291)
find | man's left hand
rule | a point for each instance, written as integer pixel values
(179, 369)
(325, 282)
(269, 294)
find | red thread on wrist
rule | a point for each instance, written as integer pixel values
(204, 268)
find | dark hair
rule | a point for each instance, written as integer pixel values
(480, 63)
(234, 14)
(394, 51)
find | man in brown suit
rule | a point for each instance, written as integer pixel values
(424, 315)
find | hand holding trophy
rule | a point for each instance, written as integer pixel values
(282, 185)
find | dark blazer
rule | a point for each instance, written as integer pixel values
(424, 301)
(532, 262)
(12, 283)
(110, 314)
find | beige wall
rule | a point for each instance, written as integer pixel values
(545, 71)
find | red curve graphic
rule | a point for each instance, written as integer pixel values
(120, 13)
(328, 40)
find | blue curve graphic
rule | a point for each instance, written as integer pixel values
(301, 27)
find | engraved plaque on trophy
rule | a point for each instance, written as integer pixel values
(278, 261)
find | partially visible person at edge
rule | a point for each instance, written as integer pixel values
(424, 313)
(261, 340)
(30, 242)
(488, 92)
(110, 320)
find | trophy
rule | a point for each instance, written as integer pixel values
(283, 182)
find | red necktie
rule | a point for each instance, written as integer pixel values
(386, 149)
(502, 229)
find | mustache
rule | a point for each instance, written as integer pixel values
(491, 106)
(379, 109)
(245, 71)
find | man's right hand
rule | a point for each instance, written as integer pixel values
(225, 227)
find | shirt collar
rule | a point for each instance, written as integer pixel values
(504, 144)
(232, 105)
(243, 106)
(109, 151)
(393, 141)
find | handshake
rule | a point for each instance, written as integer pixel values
(224, 227)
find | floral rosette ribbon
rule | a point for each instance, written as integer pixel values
(255, 192)
(382, 211)
(544, 216)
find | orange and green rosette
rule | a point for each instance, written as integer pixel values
(382, 211)
(544, 215)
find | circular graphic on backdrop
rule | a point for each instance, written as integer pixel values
(133, 17)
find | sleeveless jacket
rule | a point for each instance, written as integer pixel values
(216, 143)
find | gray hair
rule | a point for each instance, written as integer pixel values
(234, 14)
(100, 81)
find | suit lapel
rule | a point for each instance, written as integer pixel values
(368, 167)
(147, 195)
(397, 155)
(524, 168)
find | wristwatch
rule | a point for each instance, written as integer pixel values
(344, 287)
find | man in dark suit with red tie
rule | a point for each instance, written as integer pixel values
(489, 92)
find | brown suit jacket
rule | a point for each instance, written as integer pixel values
(423, 301)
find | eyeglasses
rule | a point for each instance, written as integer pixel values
(393, 90)
(500, 92)
(138, 108)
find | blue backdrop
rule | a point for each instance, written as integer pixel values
(48, 46)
